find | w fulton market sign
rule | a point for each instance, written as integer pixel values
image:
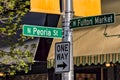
(93, 20)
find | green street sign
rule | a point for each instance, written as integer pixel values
(92, 20)
(42, 31)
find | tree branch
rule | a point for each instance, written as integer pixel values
(5, 19)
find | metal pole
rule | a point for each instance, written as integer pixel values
(67, 15)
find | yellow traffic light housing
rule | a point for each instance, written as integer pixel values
(80, 7)
(45, 6)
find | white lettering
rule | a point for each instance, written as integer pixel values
(34, 30)
(79, 22)
(103, 20)
(29, 30)
(55, 32)
(74, 23)
(86, 22)
(41, 32)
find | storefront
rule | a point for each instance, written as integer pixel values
(37, 71)
(96, 49)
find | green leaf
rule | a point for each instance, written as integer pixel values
(11, 14)
(27, 2)
(2, 30)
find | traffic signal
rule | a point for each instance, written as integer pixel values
(81, 7)
(87, 7)
(45, 6)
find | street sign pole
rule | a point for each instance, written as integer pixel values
(67, 15)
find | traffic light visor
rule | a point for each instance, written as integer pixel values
(87, 7)
(46, 6)
(80, 7)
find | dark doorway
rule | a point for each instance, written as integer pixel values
(88, 73)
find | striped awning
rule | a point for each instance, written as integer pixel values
(91, 59)
(95, 44)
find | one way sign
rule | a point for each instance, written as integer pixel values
(62, 57)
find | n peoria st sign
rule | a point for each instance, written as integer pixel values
(92, 20)
(42, 31)
(62, 57)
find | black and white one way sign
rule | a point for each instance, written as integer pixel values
(62, 57)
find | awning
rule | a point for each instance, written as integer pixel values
(91, 59)
(98, 44)
(95, 44)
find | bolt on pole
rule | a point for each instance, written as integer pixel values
(67, 15)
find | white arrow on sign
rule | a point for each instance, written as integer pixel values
(62, 57)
